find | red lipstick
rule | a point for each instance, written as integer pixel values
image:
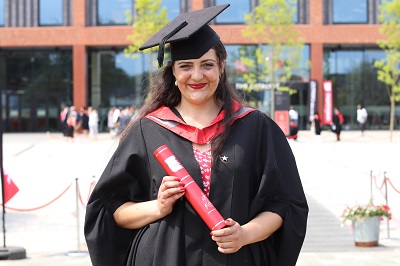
(197, 86)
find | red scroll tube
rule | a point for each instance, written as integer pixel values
(193, 193)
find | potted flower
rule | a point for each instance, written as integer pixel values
(366, 222)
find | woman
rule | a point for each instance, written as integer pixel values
(317, 124)
(337, 122)
(137, 215)
(72, 121)
(84, 121)
(362, 116)
(93, 123)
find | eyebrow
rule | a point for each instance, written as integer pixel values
(203, 61)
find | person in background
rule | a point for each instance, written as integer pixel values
(293, 130)
(116, 120)
(239, 157)
(110, 121)
(84, 121)
(93, 124)
(317, 124)
(124, 119)
(362, 116)
(293, 123)
(63, 121)
(337, 122)
(72, 123)
(293, 116)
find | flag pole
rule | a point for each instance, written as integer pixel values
(4, 211)
(1, 168)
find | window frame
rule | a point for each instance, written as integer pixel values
(215, 21)
(2, 13)
(41, 24)
(108, 24)
(367, 19)
(174, 16)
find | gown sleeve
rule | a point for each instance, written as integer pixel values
(125, 178)
(283, 194)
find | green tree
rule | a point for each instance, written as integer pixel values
(389, 67)
(278, 53)
(148, 19)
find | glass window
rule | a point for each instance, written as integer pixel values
(112, 12)
(260, 99)
(387, 17)
(237, 70)
(36, 84)
(173, 8)
(295, 5)
(354, 11)
(235, 13)
(355, 81)
(50, 12)
(125, 79)
(1, 13)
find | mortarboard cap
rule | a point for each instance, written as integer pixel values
(188, 34)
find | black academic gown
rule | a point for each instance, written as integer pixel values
(336, 125)
(259, 175)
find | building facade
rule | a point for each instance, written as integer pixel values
(70, 52)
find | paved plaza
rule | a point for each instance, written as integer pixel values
(55, 177)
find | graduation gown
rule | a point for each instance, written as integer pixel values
(337, 121)
(260, 174)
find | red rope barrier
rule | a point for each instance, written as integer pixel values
(376, 185)
(90, 192)
(47, 204)
(390, 182)
(80, 199)
(383, 183)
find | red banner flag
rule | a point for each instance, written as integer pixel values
(282, 119)
(10, 189)
(327, 118)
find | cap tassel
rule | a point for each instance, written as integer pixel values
(161, 46)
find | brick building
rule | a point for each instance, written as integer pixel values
(70, 52)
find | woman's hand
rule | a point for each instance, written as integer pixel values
(169, 192)
(233, 237)
(229, 239)
(134, 215)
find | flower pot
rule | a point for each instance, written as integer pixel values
(366, 231)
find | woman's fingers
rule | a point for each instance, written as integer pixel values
(170, 186)
(169, 192)
(230, 238)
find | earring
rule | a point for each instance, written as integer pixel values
(176, 83)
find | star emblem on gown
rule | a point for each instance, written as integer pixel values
(224, 159)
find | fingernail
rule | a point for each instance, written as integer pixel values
(211, 233)
(181, 184)
(177, 179)
(183, 188)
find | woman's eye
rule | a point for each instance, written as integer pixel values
(208, 65)
(184, 66)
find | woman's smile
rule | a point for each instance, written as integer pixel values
(197, 86)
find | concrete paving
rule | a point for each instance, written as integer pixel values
(55, 177)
